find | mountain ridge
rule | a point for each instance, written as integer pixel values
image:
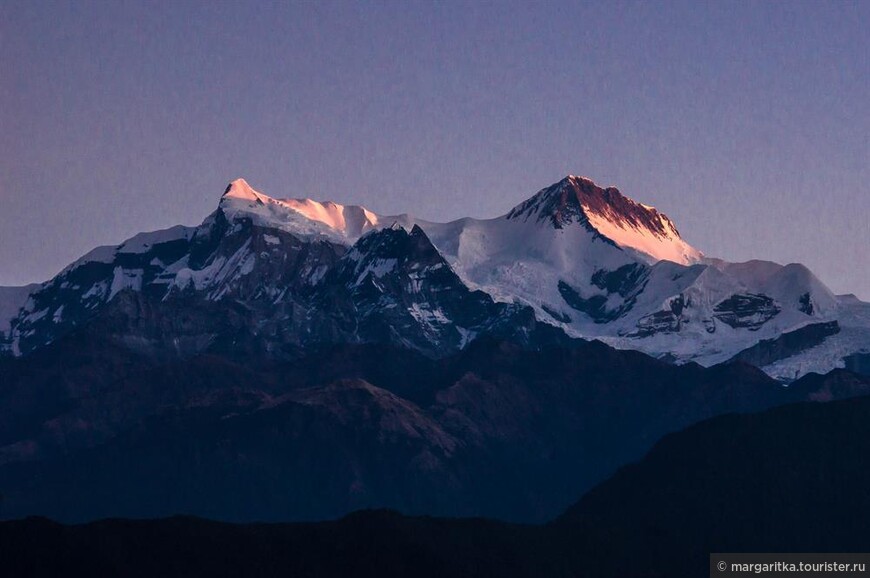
(573, 276)
(658, 509)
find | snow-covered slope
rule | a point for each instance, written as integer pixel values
(586, 259)
(305, 218)
(853, 320)
(703, 314)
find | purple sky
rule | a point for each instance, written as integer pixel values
(748, 123)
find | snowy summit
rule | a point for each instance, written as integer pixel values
(612, 215)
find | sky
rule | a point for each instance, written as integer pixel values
(748, 123)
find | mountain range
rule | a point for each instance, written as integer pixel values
(573, 261)
(298, 360)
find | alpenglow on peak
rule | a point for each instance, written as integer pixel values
(324, 217)
(240, 189)
(609, 213)
(574, 200)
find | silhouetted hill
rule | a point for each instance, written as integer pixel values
(373, 543)
(91, 429)
(790, 479)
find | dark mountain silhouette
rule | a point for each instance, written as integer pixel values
(789, 479)
(792, 479)
(94, 429)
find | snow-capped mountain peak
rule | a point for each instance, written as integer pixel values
(304, 217)
(609, 213)
(240, 189)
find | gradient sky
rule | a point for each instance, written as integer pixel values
(747, 123)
